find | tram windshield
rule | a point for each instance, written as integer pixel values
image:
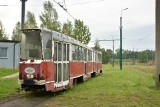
(31, 46)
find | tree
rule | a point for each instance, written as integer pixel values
(106, 55)
(16, 34)
(3, 35)
(30, 20)
(67, 28)
(81, 32)
(143, 57)
(117, 54)
(97, 45)
(49, 17)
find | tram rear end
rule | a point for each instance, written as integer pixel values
(34, 71)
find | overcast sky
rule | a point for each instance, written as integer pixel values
(101, 16)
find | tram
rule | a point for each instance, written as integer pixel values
(52, 61)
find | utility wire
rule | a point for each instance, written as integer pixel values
(65, 9)
(63, 2)
(141, 39)
(146, 36)
(85, 2)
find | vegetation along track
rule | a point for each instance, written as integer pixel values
(26, 100)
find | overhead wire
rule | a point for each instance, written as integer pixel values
(85, 2)
(65, 9)
(63, 2)
(141, 39)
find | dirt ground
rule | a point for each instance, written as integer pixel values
(30, 100)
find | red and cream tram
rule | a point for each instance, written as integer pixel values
(52, 61)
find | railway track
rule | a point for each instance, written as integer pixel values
(11, 98)
(26, 100)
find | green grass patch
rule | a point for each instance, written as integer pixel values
(6, 71)
(130, 87)
(8, 87)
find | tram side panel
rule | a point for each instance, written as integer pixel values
(89, 67)
(99, 67)
(95, 66)
(47, 69)
(76, 69)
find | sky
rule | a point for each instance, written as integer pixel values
(101, 16)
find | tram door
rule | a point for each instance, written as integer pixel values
(61, 61)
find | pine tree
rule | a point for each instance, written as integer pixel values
(97, 45)
(3, 35)
(30, 20)
(16, 34)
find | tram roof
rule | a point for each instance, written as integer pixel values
(60, 37)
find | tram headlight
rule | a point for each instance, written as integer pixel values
(30, 76)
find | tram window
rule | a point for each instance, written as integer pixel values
(85, 54)
(64, 52)
(33, 53)
(55, 72)
(59, 52)
(59, 72)
(67, 52)
(47, 45)
(95, 56)
(74, 52)
(55, 51)
(65, 72)
(77, 52)
(82, 53)
(89, 55)
(67, 75)
(99, 57)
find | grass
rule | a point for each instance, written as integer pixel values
(134, 86)
(8, 87)
(6, 71)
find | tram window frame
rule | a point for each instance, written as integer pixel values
(55, 51)
(55, 72)
(68, 52)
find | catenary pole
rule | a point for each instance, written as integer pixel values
(23, 14)
(113, 49)
(121, 38)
